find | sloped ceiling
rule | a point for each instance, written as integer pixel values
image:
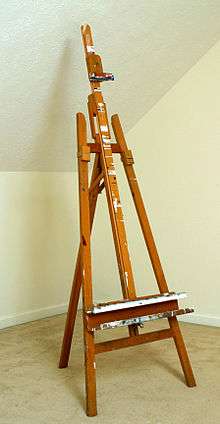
(148, 45)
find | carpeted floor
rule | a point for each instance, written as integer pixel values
(143, 384)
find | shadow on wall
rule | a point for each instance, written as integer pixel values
(57, 123)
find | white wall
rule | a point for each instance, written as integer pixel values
(37, 243)
(43, 77)
(176, 146)
(177, 150)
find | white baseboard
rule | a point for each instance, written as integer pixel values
(201, 319)
(34, 315)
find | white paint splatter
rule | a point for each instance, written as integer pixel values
(126, 277)
(104, 128)
(90, 49)
(116, 205)
(111, 172)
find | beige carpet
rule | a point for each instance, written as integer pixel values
(142, 385)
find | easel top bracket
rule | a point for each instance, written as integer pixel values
(93, 60)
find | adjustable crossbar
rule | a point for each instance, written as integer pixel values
(132, 312)
(141, 320)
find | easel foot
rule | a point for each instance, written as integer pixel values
(182, 352)
(91, 411)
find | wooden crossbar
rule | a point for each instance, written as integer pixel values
(139, 301)
(130, 311)
(140, 320)
(94, 320)
(96, 148)
(154, 336)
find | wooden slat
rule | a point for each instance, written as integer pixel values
(139, 301)
(96, 182)
(101, 134)
(132, 341)
(86, 266)
(143, 319)
(93, 321)
(77, 280)
(96, 148)
(182, 352)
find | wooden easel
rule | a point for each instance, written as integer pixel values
(132, 311)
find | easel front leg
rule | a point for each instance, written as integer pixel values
(85, 263)
(71, 316)
(76, 286)
(182, 352)
(90, 371)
